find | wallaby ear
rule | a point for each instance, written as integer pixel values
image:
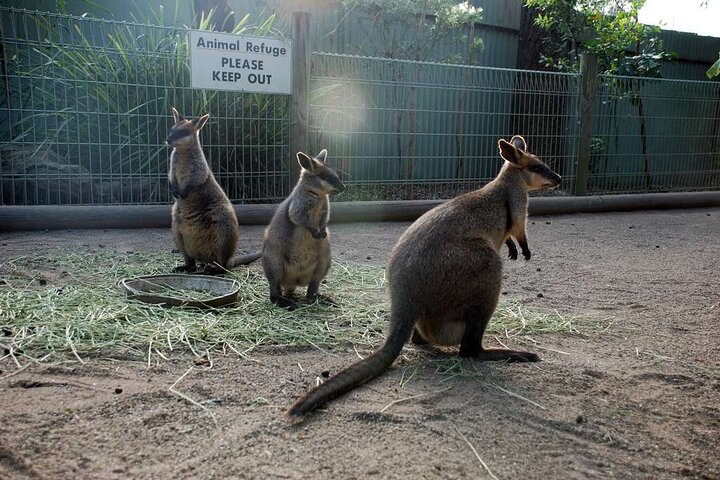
(519, 143)
(176, 115)
(322, 156)
(305, 161)
(508, 151)
(200, 122)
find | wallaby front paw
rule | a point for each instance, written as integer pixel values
(512, 253)
(526, 254)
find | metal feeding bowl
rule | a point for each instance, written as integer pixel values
(201, 291)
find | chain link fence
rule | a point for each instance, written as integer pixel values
(85, 107)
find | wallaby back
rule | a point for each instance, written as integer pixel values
(296, 247)
(444, 273)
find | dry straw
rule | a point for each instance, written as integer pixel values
(82, 312)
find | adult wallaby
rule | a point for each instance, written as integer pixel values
(444, 273)
(203, 220)
(296, 248)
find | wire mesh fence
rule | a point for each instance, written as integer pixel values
(655, 135)
(85, 108)
(412, 130)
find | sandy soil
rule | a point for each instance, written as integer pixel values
(639, 398)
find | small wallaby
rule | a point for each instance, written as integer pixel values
(203, 220)
(444, 273)
(296, 247)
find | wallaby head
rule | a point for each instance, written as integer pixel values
(534, 173)
(317, 175)
(184, 133)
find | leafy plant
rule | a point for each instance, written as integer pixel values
(610, 29)
(714, 70)
(100, 94)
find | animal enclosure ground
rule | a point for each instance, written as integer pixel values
(632, 391)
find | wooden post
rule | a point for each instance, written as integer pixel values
(299, 104)
(588, 91)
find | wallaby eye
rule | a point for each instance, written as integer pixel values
(535, 168)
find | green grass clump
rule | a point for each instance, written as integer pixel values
(84, 312)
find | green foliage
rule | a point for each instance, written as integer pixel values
(410, 29)
(714, 70)
(608, 28)
(100, 95)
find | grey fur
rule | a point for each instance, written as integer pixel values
(445, 273)
(296, 247)
(204, 224)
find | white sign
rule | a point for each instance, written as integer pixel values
(222, 61)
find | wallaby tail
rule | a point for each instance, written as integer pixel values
(357, 374)
(243, 259)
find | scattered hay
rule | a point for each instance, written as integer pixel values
(86, 313)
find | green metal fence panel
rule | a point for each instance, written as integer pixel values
(85, 108)
(655, 135)
(410, 130)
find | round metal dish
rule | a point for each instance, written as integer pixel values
(159, 290)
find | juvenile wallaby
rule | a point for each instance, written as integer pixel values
(444, 273)
(203, 220)
(296, 248)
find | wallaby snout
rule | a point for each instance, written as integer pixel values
(338, 187)
(171, 138)
(554, 180)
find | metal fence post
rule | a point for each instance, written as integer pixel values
(299, 104)
(588, 91)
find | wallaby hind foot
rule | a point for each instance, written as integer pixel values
(322, 300)
(284, 302)
(184, 269)
(501, 354)
(476, 320)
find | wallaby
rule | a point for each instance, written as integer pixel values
(296, 247)
(444, 273)
(203, 220)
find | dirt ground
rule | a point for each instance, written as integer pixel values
(637, 396)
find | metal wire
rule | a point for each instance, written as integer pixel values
(655, 135)
(410, 130)
(85, 108)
